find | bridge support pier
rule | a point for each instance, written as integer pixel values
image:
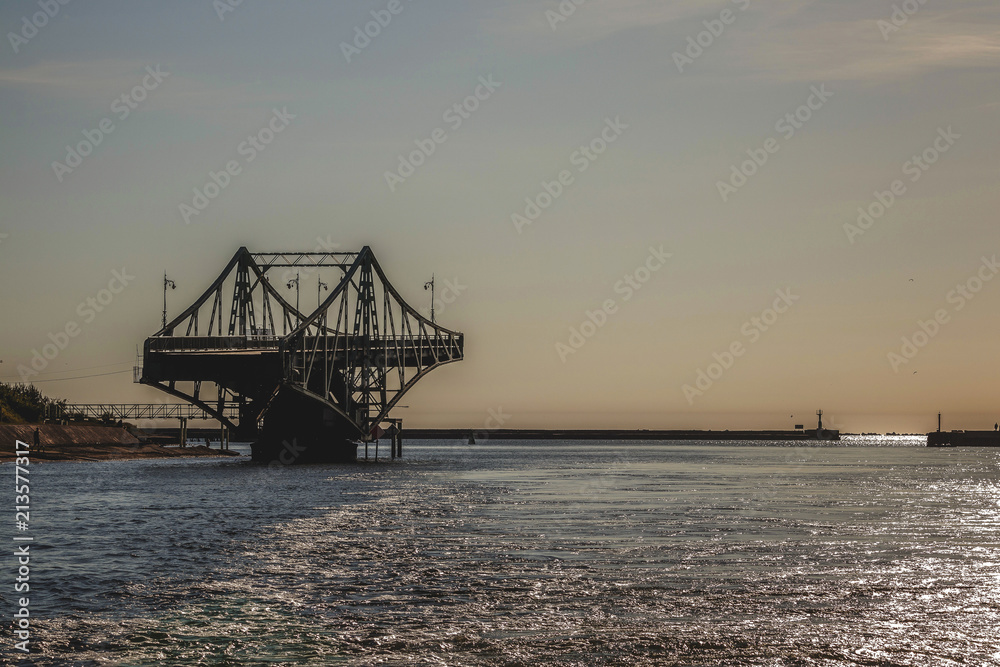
(298, 430)
(184, 431)
(395, 434)
(397, 444)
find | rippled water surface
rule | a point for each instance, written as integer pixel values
(523, 553)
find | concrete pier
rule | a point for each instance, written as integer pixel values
(963, 439)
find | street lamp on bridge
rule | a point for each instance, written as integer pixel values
(319, 286)
(430, 286)
(167, 282)
(295, 281)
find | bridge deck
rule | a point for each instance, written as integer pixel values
(273, 343)
(393, 351)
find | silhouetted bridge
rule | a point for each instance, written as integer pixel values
(323, 380)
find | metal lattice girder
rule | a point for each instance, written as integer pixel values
(123, 411)
(357, 353)
(250, 286)
(360, 360)
(267, 260)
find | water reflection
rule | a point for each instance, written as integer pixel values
(528, 553)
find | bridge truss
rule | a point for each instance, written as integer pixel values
(356, 354)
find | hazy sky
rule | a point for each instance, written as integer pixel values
(651, 112)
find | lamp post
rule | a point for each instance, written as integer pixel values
(319, 297)
(320, 285)
(430, 286)
(295, 281)
(167, 282)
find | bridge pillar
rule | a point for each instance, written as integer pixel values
(298, 429)
(247, 429)
(395, 433)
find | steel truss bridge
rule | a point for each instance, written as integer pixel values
(129, 411)
(244, 355)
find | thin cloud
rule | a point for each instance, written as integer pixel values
(73, 77)
(856, 50)
(786, 40)
(99, 82)
(592, 21)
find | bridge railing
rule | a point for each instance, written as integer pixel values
(216, 343)
(185, 343)
(141, 411)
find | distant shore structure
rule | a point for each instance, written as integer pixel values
(962, 438)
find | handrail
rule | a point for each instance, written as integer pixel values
(167, 343)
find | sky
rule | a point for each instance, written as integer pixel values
(694, 214)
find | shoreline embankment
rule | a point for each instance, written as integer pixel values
(87, 442)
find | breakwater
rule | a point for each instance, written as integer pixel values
(963, 439)
(614, 434)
